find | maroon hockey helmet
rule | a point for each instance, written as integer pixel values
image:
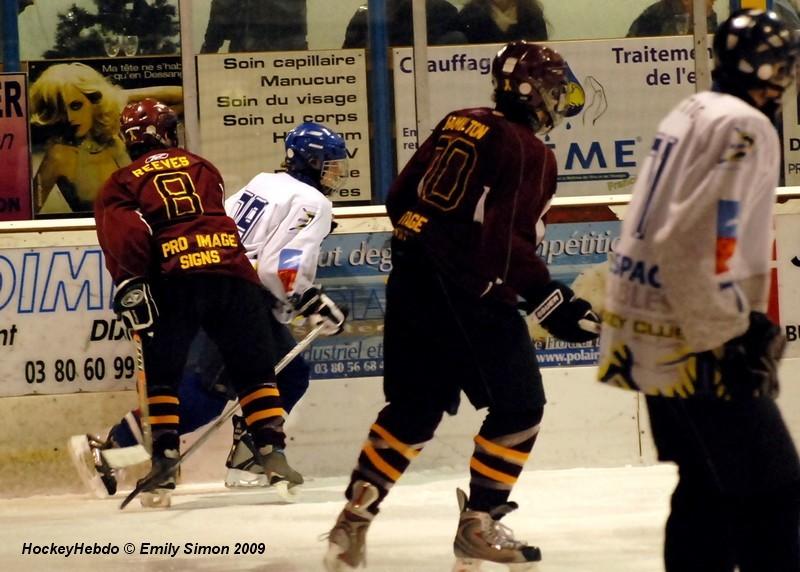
(149, 123)
(536, 78)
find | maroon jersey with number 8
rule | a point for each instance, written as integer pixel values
(164, 214)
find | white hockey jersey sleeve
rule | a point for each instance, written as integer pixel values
(714, 240)
(282, 223)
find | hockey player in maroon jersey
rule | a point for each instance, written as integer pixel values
(467, 214)
(178, 266)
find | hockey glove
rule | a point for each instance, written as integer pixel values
(318, 309)
(135, 306)
(749, 362)
(563, 314)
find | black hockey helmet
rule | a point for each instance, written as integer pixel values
(535, 82)
(754, 49)
(148, 124)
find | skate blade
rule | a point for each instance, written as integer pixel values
(286, 491)
(523, 567)
(466, 565)
(156, 499)
(332, 562)
(236, 478)
(122, 457)
(81, 454)
(474, 565)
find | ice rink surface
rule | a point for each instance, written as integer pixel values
(584, 520)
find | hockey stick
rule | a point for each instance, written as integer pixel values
(126, 456)
(141, 388)
(170, 468)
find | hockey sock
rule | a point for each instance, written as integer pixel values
(164, 411)
(382, 461)
(128, 432)
(387, 452)
(264, 415)
(498, 459)
(199, 404)
(293, 382)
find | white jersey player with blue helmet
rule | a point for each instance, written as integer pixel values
(282, 222)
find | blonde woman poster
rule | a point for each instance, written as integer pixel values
(74, 114)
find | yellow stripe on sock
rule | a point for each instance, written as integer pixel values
(263, 392)
(491, 473)
(164, 420)
(395, 443)
(510, 455)
(159, 399)
(380, 464)
(259, 415)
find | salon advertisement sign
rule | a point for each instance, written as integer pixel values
(628, 86)
(249, 102)
(15, 165)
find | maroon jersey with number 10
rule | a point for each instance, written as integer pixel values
(472, 197)
(164, 214)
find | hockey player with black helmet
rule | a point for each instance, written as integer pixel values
(467, 214)
(691, 331)
(282, 219)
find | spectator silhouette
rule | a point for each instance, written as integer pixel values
(442, 24)
(256, 26)
(670, 18)
(496, 21)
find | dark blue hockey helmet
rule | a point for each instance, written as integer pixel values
(317, 156)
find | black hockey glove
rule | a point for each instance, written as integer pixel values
(318, 309)
(135, 306)
(749, 362)
(563, 314)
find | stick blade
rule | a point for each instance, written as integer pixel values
(589, 326)
(122, 457)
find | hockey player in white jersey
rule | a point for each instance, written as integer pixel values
(685, 311)
(282, 220)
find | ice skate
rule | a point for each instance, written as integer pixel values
(347, 547)
(278, 472)
(95, 473)
(244, 471)
(159, 483)
(481, 537)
